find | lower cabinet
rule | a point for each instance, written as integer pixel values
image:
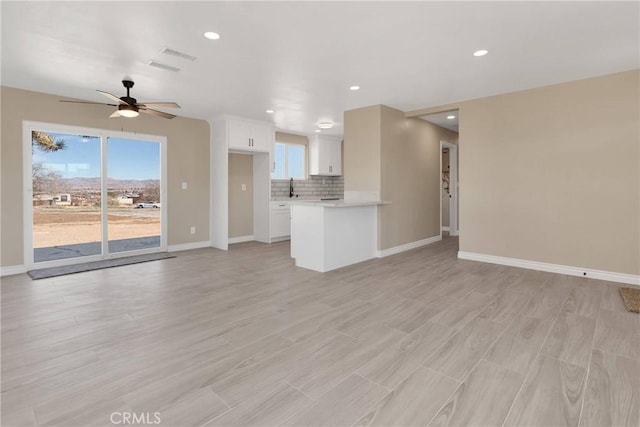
(280, 221)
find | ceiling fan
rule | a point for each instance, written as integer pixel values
(130, 107)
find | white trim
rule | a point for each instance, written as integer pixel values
(10, 270)
(241, 239)
(445, 228)
(279, 239)
(609, 276)
(408, 246)
(189, 246)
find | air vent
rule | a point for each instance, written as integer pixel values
(177, 53)
(163, 66)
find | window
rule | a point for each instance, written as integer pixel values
(289, 161)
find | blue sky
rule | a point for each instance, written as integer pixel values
(126, 158)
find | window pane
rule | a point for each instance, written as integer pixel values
(67, 219)
(295, 161)
(278, 157)
(133, 190)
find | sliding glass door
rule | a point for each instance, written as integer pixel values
(133, 191)
(67, 197)
(94, 194)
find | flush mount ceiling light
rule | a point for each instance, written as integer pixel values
(354, 87)
(269, 111)
(481, 52)
(325, 125)
(451, 117)
(211, 35)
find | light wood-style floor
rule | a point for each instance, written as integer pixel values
(245, 338)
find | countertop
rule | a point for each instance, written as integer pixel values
(340, 203)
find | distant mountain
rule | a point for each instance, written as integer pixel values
(116, 184)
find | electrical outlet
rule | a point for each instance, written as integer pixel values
(244, 187)
(184, 185)
(193, 230)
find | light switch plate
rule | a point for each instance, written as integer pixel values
(184, 185)
(244, 187)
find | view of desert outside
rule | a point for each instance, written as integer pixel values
(55, 226)
(67, 195)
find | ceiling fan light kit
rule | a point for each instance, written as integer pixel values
(127, 111)
(130, 107)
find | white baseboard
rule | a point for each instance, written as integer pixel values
(609, 276)
(12, 269)
(408, 246)
(445, 228)
(241, 239)
(279, 239)
(188, 246)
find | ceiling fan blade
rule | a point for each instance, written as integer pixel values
(158, 104)
(156, 113)
(112, 97)
(115, 114)
(87, 102)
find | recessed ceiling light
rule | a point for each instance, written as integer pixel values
(354, 87)
(325, 125)
(451, 117)
(481, 52)
(318, 130)
(269, 111)
(211, 35)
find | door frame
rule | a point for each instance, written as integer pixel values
(454, 229)
(103, 134)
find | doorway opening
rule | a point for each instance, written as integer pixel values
(92, 194)
(449, 188)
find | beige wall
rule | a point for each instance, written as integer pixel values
(291, 138)
(240, 202)
(410, 178)
(361, 149)
(400, 157)
(187, 160)
(553, 174)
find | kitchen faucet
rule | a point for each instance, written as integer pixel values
(291, 188)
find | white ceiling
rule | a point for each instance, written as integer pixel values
(299, 58)
(441, 119)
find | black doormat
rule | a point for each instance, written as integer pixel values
(45, 273)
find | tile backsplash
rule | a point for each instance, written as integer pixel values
(320, 186)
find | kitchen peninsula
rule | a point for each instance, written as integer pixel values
(326, 235)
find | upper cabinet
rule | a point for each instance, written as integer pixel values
(249, 136)
(325, 155)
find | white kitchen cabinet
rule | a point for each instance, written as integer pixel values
(280, 221)
(249, 136)
(325, 155)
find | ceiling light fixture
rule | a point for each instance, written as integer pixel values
(269, 111)
(128, 111)
(481, 52)
(325, 125)
(354, 87)
(451, 117)
(211, 35)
